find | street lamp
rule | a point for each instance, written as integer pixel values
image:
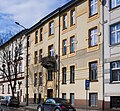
(26, 67)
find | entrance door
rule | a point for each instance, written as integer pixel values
(34, 98)
(50, 93)
(39, 98)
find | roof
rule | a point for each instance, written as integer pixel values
(52, 14)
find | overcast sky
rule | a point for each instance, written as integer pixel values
(28, 12)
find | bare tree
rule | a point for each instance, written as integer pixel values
(10, 57)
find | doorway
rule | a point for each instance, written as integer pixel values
(50, 93)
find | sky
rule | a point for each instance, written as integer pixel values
(26, 12)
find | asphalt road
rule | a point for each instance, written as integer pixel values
(6, 108)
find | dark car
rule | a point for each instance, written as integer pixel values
(10, 101)
(55, 104)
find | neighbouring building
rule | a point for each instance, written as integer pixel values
(112, 53)
(65, 49)
(12, 59)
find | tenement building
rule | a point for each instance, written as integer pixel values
(112, 53)
(64, 50)
(11, 66)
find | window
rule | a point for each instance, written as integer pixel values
(93, 99)
(28, 59)
(2, 89)
(20, 67)
(64, 75)
(114, 101)
(8, 88)
(40, 78)
(51, 28)
(36, 37)
(20, 48)
(93, 73)
(41, 34)
(50, 50)
(64, 95)
(115, 71)
(115, 34)
(64, 47)
(40, 55)
(72, 98)
(35, 57)
(72, 74)
(9, 55)
(72, 44)
(93, 4)
(64, 21)
(50, 77)
(28, 41)
(35, 79)
(72, 17)
(93, 37)
(114, 3)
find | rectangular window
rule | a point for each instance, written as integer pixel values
(72, 17)
(64, 21)
(64, 75)
(35, 79)
(2, 89)
(9, 55)
(20, 67)
(93, 37)
(64, 47)
(72, 44)
(51, 28)
(114, 3)
(40, 55)
(36, 55)
(115, 34)
(8, 88)
(72, 99)
(93, 6)
(36, 37)
(93, 73)
(72, 74)
(50, 75)
(93, 99)
(28, 59)
(114, 101)
(115, 71)
(41, 34)
(50, 50)
(64, 95)
(28, 41)
(40, 78)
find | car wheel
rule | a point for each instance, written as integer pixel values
(39, 108)
(57, 109)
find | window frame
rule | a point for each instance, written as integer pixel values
(40, 79)
(36, 57)
(50, 75)
(72, 17)
(96, 100)
(65, 20)
(41, 34)
(91, 78)
(35, 79)
(72, 74)
(116, 6)
(28, 41)
(115, 31)
(96, 11)
(36, 36)
(72, 44)
(40, 55)
(94, 36)
(64, 47)
(114, 69)
(51, 50)
(51, 28)
(64, 75)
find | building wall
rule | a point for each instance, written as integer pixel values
(111, 53)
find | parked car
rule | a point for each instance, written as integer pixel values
(10, 101)
(55, 104)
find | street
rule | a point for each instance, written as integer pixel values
(6, 108)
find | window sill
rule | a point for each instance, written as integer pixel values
(90, 16)
(93, 80)
(114, 44)
(115, 82)
(64, 83)
(72, 82)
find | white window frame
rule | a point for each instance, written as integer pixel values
(94, 6)
(113, 4)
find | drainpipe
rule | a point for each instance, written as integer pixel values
(103, 3)
(59, 58)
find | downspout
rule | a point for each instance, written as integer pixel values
(103, 3)
(59, 58)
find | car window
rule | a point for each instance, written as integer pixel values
(61, 101)
(50, 101)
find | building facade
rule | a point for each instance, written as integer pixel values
(64, 50)
(112, 53)
(12, 59)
